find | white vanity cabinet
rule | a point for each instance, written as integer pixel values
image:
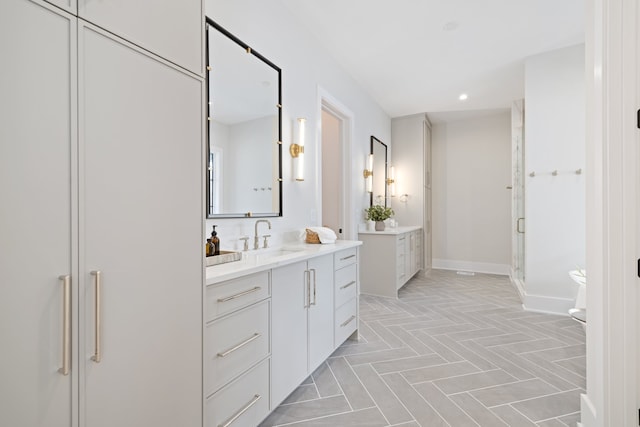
(101, 315)
(274, 320)
(302, 322)
(237, 349)
(346, 295)
(389, 259)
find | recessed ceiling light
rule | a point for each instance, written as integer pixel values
(450, 26)
(463, 97)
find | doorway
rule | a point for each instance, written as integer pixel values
(332, 173)
(334, 157)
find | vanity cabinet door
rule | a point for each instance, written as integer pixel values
(302, 322)
(141, 223)
(320, 310)
(402, 259)
(289, 301)
(37, 147)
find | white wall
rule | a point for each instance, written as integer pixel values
(554, 205)
(272, 31)
(471, 161)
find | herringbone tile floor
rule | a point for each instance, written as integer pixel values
(453, 350)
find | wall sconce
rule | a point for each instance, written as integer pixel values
(297, 150)
(368, 174)
(391, 182)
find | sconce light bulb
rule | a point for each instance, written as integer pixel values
(301, 131)
(392, 182)
(297, 151)
(368, 174)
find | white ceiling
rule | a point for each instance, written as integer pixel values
(402, 54)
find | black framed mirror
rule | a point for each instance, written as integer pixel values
(244, 129)
(378, 195)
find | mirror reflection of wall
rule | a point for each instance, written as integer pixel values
(379, 151)
(244, 129)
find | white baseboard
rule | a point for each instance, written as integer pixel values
(476, 267)
(548, 305)
(518, 284)
(587, 412)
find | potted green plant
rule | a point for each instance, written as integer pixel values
(379, 213)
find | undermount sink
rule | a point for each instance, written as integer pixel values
(223, 258)
(261, 255)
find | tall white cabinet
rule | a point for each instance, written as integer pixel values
(101, 154)
(411, 157)
(37, 209)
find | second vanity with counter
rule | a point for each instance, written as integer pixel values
(389, 259)
(270, 320)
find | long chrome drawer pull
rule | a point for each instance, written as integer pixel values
(307, 277)
(353, 282)
(97, 355)
(242, 344)
(238, 414)
(349, 320)
(241, 294)
(315, 299)
(347, 257)
(66, 324)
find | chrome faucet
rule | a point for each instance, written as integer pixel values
(256, 243)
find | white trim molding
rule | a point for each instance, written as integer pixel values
(473, 266)
(326, 101)
(612, 206)
(545, 304)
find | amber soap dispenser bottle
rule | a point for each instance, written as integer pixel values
(215, 241)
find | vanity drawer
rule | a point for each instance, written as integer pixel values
(228, 296)
(345, 257)
(243, 403)
(346, 321)
(234, 343)
(346, 284)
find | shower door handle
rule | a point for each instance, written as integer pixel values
(518, 229)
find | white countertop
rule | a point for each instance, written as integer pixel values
(265, 259)
(393, 231)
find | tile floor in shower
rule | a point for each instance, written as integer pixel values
(453, 350)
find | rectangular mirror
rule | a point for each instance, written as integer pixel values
(244, 172)
(379, 194)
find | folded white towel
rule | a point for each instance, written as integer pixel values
(326, 235)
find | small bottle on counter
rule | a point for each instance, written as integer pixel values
(215, 241)
(208, 249)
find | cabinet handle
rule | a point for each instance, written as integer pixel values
(97, 355)
(353, 282)
(238, 346)
(349, 320)
(248, 291)
(241, 411)
(66, 323)
(307, 276)
(402, 238)
(347, 257)
(314, 288)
